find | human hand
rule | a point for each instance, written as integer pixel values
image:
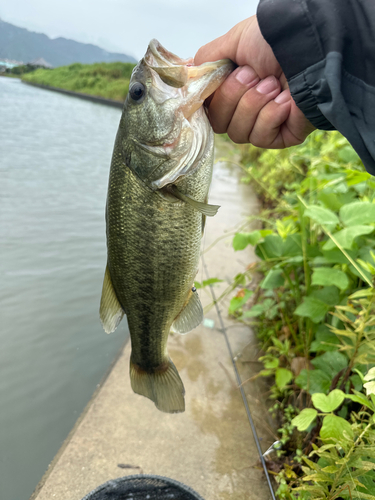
(254, 103)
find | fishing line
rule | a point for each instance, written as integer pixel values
(239, 383)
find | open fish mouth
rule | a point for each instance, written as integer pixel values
(178, 88)
(196, 82)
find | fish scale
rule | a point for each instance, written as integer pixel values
(152, 289)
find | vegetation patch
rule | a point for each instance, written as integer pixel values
(108, 80)
(314, 313)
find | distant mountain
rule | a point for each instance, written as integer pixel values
(24, 45)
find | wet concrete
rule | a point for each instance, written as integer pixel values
(210, 447)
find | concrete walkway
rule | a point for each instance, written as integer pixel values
(210, 447)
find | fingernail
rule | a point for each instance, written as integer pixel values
(246, 75)
(267, 85)
(283, 97)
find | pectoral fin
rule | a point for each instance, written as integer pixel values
(203, 223)
(204, 218)
(190, 316)
(111, 312)
(204, 208)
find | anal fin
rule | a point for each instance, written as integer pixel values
(111, 312)
(190, 316)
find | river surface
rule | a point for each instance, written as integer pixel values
(55, 154)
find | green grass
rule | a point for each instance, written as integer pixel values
(109, 80)
(314, 312)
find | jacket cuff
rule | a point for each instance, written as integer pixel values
(307, 102)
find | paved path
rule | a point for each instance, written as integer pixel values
(210, 447)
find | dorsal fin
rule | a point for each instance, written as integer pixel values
(111, 312)
(190, 316)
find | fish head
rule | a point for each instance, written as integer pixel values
(164, 130)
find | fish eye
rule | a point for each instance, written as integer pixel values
(137, 91)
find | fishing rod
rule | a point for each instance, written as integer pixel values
(239, 382)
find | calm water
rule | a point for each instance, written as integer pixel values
(54, 160)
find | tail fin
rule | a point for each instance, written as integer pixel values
(163, 386)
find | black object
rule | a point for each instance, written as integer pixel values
(327, 52)
(143, 487)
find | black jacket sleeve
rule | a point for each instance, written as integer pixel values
(326, 49)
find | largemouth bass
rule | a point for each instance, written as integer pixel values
(156, 207)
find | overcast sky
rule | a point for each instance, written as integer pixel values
(127, 26)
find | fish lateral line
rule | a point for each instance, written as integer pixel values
(204, 208)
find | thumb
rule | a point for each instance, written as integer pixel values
(297, 125)
(220, 48)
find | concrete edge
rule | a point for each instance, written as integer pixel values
(87, 97)
(69, 437)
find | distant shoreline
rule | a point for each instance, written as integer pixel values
(9, 75)
(88, 97)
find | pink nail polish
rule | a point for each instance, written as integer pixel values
(267, 85)
(246, 75)
(283, 97)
